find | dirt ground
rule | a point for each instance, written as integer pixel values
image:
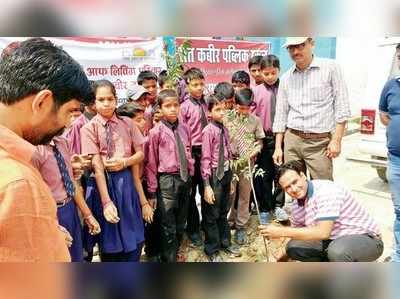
(253, 251)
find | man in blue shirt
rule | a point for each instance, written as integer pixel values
(389, 112)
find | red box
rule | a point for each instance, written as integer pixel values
(368, 121)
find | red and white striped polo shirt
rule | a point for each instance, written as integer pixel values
(327, 200)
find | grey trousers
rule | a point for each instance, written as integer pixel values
(352, 248)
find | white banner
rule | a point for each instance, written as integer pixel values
(119, 60)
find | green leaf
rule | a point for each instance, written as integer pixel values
(176, 62)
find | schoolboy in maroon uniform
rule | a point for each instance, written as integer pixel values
(194, 113)
(217, 176)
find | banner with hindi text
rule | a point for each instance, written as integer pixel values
(119, 60)
(219, 59)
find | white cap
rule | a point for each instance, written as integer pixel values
(135, 92)
(292, 41)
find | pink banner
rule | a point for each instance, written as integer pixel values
(219, 59)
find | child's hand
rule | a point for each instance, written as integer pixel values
(110, 213)
(77, 166)
(209, 195)
(86, 161)
(114, 165)
(68, 238)
(93, 225)
(147, 212)
(152, 203)
(232, 188)
(254, 154)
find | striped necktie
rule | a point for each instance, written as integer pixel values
(109, 140)
(68, 185)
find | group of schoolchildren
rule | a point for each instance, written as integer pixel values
(159, 167)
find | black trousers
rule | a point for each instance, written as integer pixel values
(216, 227)
(87, 255)
(193, 217)
(269, 194)
(172, 203)
(152, 233)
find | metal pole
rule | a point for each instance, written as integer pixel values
(256, 203)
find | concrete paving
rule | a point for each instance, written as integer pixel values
(367, 187)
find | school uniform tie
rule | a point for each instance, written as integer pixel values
(68, 185)
(203, 117)
(183, 163)
(273, 106)
(88, 115)
(221, 158)
(274, 90)
(109, 140)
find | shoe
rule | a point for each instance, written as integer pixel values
(233, 251)
(254, 211)
(180, 257)
(265, 218)
(215, 258)
(196, 239)
(240, 236)
(281, 215)
(388, 259)
(153, 259)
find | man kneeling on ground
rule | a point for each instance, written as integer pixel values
(327, 223)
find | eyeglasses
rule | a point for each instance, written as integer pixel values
(299, 47)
